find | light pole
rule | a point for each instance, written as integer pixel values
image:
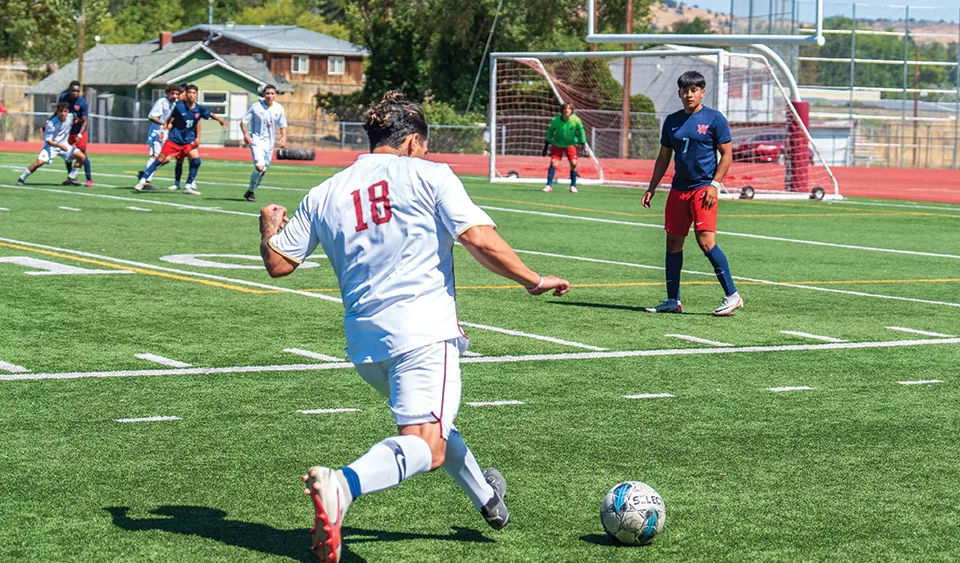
(80, 18)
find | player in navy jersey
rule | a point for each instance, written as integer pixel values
(78, 133)
(693, 136)
(182, 139)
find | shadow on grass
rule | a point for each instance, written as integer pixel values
(212, 523)
(616, 307)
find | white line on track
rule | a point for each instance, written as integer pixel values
(726, 233)
(149, 419)
(163, 361)
(533, 336)
(12, 368)
(765, 282)
(783, 389)
(313, 355)
(132, 208)
(65, 208)
(649, 396)
(920, 332)
(698, 340)
(495, 403)
(921, 382)
(327, 411)
(497, 359)
(813, 336)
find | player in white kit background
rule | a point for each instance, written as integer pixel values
(264, 117)
(387, 224)
(157, 133)
(56, 134)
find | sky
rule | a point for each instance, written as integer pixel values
(948, 10)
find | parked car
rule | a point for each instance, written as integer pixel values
(764, 147)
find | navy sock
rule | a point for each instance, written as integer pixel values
(86, 168)
(722, 269)
(69, 166)
(573, 178)
(150, 169)
(674, 265)
(194, 168)
(550, 173)
(178, 172)
(353, 481)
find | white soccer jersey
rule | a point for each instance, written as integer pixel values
(56, 131)
(264, 121)
(387, 224)
(161, 110)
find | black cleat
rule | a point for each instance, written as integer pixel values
(20, 182)
(495, 511)
(70, 182)
(149, 188)
(249, 196)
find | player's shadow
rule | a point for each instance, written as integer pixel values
(611, 306)
(238, 198)
(212, 523)
(604, 539)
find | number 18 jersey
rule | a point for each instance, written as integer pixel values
(387, 224)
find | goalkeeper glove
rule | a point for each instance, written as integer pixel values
(546, 148)
(581, 149)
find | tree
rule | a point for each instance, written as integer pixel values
(697, 26)
(290, 12)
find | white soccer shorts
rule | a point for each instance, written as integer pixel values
(51, 152)
(261, 154)
(156, 145)
(423, 384)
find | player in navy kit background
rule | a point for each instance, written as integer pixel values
(694, 135)
(78, 133)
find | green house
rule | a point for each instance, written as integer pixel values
(121, 82)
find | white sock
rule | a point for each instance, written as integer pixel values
(392, 461)
(26, 174)
(463, 467)
(73, 173)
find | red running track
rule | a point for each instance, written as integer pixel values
(886, 183)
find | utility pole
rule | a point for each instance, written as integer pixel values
(627, 68)
(81, 19)
(209, 20)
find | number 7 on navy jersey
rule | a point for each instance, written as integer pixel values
(376, 201)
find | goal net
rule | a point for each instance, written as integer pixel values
(773, 152)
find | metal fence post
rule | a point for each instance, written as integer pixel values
(343, 135)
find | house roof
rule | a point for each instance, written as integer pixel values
(140, 64)
(280, 39)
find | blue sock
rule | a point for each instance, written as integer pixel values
(150, 169)
(722, 269)
(573, 178)
(674, 265)
(178, 172)
(194, 168)
(86, 168)
(550, 173)
(353, 481)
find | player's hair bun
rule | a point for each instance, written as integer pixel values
(391, 119)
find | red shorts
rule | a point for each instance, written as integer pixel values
(79, 141)
(176, 151)
(558, 152)
(685, 208)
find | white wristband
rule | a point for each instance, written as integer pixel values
(716, 184)
(536, 287)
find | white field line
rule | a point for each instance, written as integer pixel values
(813, 336)
(469, 354)
(12, 368)
(496, 359)
(65, 208)
(649, 396)
(756, 280)
(327, 411)
(904, 205)
(920, 332)
(921, 382)
(782, 389)
(4, 209)
(698, 340)
(149, 419)
(132, 208)
(726, 233)
(495, 403)
(314, 355)
(163, 361)
(533, 336)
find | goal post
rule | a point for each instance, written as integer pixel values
(774, 153)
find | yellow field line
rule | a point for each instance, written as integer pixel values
(137, 270)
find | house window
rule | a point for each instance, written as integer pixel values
(756, 91)
(335, 65)
(300, 64)
(216, 102)
(157, 93)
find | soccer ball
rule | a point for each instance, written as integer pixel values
(633, 513)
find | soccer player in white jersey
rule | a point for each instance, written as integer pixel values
(56, 132)
(387, 224)
(264, 117)
(157, 133)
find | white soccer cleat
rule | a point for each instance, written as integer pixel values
(573, 189)
(729, 304)
(330, 504)
(140, 184)
(668, 306)
(174, 188)
(547, 189)
(191, 189)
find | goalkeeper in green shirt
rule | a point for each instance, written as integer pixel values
(565, 136)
